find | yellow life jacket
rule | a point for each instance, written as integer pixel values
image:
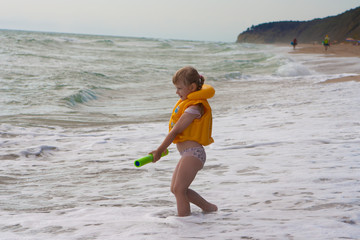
(200, 129)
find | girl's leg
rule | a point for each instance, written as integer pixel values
(183, 176)
(199, 201)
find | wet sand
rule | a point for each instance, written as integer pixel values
(336, 50)
(344, 79)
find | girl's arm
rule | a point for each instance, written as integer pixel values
(184, 121)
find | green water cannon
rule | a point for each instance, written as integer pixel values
(148, 159)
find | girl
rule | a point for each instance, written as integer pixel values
(190, 128)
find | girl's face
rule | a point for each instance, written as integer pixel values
(182, 90)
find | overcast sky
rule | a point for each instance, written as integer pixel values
(209, 20)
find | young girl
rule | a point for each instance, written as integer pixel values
(190, 128)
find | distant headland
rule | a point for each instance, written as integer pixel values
(339, 27)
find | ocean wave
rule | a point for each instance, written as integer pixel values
(165, 44)
(236, 76)
(38, 151)
(81, 97)
(47, 41)
(293, 69)
(96, 74)
(105, 42)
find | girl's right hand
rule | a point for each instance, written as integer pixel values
(156, 155)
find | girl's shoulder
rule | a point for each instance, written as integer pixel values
(196, 109)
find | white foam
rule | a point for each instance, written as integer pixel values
(292, 69)
(284, 165)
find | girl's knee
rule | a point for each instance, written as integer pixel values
(178, 190)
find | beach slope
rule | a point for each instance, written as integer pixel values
(336, 50)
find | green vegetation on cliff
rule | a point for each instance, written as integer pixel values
(337, 27)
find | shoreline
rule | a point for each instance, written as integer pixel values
(335, 50)
(345, 50)
(343, 79)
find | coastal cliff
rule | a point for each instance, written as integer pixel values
(339, 27)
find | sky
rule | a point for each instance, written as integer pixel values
(204, 20)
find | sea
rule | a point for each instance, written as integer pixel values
(77, 110)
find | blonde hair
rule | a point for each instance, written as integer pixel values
(189, 75)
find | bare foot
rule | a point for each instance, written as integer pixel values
(211, 208)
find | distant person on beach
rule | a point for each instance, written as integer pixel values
(326, 42)
(190, 129)
(294, 43)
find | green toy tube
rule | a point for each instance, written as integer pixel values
(147, 159)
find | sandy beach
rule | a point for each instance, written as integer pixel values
(336, 50)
